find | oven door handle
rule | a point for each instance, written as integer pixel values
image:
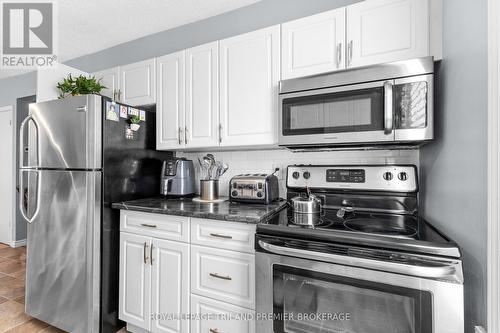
(440, 269)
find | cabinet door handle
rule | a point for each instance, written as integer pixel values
(119, 94)
(179, 136)
(339, 54)
(148, 225)
(349, 51)
(145, 252)
(214, 330)
(151, 254)
(220, 133)
(215, 275)
(221, 236)
(186, 134)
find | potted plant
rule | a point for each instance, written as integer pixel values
(134, 122)
(80, 85)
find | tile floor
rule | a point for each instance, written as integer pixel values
(12, 274)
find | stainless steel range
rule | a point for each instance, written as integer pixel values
(351, 254)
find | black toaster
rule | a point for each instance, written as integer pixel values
(254, 188)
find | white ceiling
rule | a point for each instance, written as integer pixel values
(88, 26)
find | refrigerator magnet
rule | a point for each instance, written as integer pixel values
(142, 115)
(112, 111)
(133, 111)
(123, 111)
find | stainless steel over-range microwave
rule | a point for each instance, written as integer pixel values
(390, 103)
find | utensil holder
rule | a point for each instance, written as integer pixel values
(209, 189)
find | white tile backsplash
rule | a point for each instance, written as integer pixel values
(265, 161)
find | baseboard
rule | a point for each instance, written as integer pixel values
(18, 243)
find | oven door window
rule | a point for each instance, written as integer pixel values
(306, 301)
(337, 112)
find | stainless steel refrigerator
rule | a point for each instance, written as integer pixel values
(74, 162)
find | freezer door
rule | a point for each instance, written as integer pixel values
(63, 253)
(63, 134)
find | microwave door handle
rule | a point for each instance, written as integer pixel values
(388, 107)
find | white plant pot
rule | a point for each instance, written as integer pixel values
(134, 127)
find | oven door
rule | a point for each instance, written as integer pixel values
(360, 113)
(298, 295)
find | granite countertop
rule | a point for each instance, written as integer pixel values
(227, 211)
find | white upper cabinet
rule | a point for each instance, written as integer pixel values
(110, 78)
(138, 83)
(381, 31)
(314, 44)
(202, 96)
(171, 101)
(249, 75)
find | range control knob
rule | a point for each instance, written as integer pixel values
(388, 175)
(259, 194)
(234, 193)
(295, 175)
(403, 176)
(306, 175)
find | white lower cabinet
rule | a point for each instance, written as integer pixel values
(224, 275)
(135, 280)
(163, 278)
(213, 316)
(169, 285)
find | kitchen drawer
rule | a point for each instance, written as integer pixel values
(224, 235)
(169, 227)
(200, 306)
(227, 276)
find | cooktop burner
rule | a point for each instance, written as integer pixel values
(390, 226)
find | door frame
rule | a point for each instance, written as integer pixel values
(12, 227)
(493, 283)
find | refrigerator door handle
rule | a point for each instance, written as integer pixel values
(21, 140)
(22, 196)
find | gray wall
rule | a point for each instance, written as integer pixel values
(454, 168)
(259, 15)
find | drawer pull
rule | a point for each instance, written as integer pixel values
(215, 275)
(148, 225)
(221, 236)
(214, 330)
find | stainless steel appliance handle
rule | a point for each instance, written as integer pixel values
(21, 198)
(215, 275)
(221, 236)
(339, 54)
(438, 269)
(388, 107)
(21, 140)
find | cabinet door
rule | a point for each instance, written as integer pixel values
(202, 96)
(110, 79)
(135, 279)
(137, 83)
(387, 30)
(170, 101)
(249, 87)
(170, 284)
(314, 44)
